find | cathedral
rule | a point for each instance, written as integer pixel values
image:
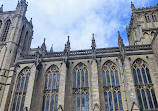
(123, 78)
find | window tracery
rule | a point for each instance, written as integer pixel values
(6, 30)
(51, 89)
(21, 90)
(80, 88)
(144, 87)
(111, 86)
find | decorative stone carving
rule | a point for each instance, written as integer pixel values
(43, 47)
(60, 108)
(25, 109)
(134, 107)
(67, 52)
(132, 6)
(38, 61)
(51, 49)
(96, 107)
(121, 47)
(1, 9)
(93, 48)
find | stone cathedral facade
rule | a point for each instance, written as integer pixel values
(98, 79)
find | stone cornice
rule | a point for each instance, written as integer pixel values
(87, 54)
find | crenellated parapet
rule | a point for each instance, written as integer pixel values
(143, 23)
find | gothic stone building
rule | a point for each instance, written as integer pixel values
(98, 79)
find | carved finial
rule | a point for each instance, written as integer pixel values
(93, 42)
(68, 44)
(121, 47)
(31, 20)
(67, 50)
(132, 6)
(68, 38)
(120, 40)
(93, 45)
(43, 47)
(1, 9)
(119, 34)
(51, 49)
(22, 4)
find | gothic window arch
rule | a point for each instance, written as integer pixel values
(6, 30)
(21, 35)
(80, 88)
(147, 18)
(21, 90)
(51, 89)
(111, 86)
(154, 18)
(0, 24)
(25, 40)
(144, 86)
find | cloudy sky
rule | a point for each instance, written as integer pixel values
(56, 19)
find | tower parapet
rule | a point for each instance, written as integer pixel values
(143, 25)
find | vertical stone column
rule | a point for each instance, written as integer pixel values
(95, 85)
(31, 82)
(155, 46)
(5, 98)
(129, 84)
(61, 97)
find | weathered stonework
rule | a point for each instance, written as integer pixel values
(16, 54)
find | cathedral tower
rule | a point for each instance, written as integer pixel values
(143, 25)
(15, 37)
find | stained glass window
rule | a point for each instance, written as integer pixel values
(144, 87)
(80, 88)
(51, 89)
(21, 89)
(111, 86)
(5, 30)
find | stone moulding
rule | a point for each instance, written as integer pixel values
(101, 51)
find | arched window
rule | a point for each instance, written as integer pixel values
(25, 41)
(154, 18)
(6, 30)
(51, 88)
(21, 89)
(111, 86)
(0, 23)
(80, 88)
(147, 18)
(21, 36)
(144, 87)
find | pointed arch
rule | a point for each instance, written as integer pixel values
(143, 85)
(25, 41)
(51, 88)
(80, 87)
(110, 77)
(6, 30)
(21, 89)
(21, 35)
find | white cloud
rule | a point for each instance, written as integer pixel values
(56, 19)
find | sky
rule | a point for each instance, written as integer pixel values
(79, 19)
